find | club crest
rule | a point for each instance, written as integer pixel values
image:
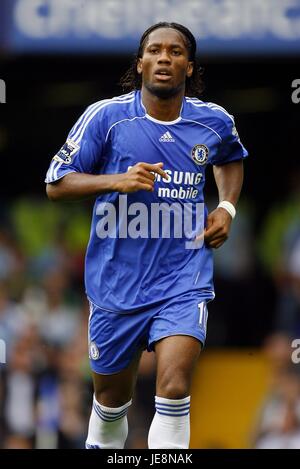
(94, 351)
(200, 154)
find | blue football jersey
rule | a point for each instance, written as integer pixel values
(138, 253)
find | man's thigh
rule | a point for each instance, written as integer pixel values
(117, 389)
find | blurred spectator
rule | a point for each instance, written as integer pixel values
(278, 421)
(288, 282)
(13, 319)
(72, 423)
(277, 349)
(231, 314)
(11, 259)
(19, 392)
(72, 426)
(60, 321)
(280, 254)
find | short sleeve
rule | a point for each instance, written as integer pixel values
(82, 150)
(231, 147)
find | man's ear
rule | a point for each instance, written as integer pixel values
(190, 69)
(139, 66)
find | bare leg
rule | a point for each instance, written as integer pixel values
(176, 357)
(116, 389)
(176, 360)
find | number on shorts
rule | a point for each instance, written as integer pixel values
(202, 314)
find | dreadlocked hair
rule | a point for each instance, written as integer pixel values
(131, 80)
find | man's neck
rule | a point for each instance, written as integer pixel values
(162, 109)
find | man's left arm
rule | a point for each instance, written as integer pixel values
(229, 180)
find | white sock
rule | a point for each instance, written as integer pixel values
(108, 427)
(170, 427)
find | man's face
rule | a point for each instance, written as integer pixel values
(165, 63)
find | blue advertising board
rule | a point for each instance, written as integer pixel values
(114, 26)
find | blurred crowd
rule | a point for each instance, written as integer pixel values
(278, 419)
(45, 384)
(43, 320)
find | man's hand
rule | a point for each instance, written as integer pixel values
(140, 177)
(217, 228)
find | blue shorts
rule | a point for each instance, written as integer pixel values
(115, 338)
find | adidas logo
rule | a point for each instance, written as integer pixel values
(167, 137)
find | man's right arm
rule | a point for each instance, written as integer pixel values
(78, 186)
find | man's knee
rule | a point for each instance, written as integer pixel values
(111, 391)
(173, 385)
(112, 398)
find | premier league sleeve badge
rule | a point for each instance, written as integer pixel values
(66, 152)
